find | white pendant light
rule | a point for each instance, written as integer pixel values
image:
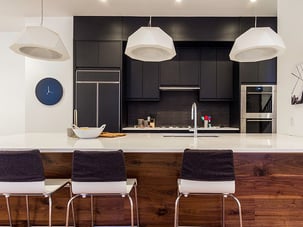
(40, 43)
(150, 44)
(257, 44)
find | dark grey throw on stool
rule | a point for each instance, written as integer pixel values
(208, 165)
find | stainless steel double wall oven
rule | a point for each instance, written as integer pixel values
(258, 108)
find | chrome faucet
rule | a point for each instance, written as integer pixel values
(194, 118)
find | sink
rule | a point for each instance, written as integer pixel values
(188, 135)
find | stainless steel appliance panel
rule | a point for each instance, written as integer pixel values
(258, 108)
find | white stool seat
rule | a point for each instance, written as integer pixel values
(207, 187)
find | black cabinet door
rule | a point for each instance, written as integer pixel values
(97, 28)
(86, 104)
(208, 80)
(132, 24)
(150, 81)
(263, 72)
(98, 54)
(249, 72)
(224, 74)
(216, 74)
(199, 28)
(169, 72)
(109, 106)
(142, 81)
(268, 71)
(189, 66)
(183, 69)
(86, 54)
(134, 79)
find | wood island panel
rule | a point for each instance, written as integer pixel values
(269, 186)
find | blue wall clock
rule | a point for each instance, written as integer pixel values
(49, 91)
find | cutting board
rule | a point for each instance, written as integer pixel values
(112, 134)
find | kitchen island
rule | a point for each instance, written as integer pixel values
(268, 168)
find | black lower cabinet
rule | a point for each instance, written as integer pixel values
(97, 99)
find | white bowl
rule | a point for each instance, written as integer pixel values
(88, 132)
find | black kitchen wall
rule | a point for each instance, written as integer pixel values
(174, 109)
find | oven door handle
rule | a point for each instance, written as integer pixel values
(259, 120)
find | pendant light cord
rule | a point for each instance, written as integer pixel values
(149, 23)
(41, 23)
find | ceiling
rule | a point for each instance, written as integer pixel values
(13, 12)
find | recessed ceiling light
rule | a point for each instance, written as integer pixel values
(253, 0)
(102, 0)
(178, 0)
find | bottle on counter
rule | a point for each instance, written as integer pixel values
(152, 123)
(209, 121)
(205, 121)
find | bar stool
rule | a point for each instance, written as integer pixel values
(22, 174)
(206, 172)
(101, 173)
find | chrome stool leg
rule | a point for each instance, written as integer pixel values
(50, 210)
(8, 210)
(131, 209)
(27, 211)
(72, 204)
(70, 201)
(92, 209)
(223, 209)
(137, 208)
(239, 207)
(176, 222)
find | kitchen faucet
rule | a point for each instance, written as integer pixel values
(194, 118)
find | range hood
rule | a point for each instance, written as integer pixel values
(179, 88)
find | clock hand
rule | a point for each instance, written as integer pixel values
(49, 91)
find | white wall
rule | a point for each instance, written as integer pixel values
(290, 24)
(12, 87)
(20, 110)
(56, 118)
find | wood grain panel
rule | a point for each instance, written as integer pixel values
(269, 187)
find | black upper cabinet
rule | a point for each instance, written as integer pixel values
(142, 81)
(189, 66)
(97, 28)
(259, 72)
(132, 24)
(179, 28)
(169, 72)
(183, 69)
(224, 74)
(208, 81)
(263, 71)
(216, 81)
(199, 28)
(249, 22)
(98, 54)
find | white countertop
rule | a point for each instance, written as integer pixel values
(155, 142)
